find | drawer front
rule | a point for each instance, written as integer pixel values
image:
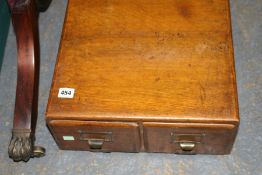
(184, 138)
(96, 136)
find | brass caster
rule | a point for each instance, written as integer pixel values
(38, 151)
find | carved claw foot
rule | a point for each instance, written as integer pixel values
(21, 146)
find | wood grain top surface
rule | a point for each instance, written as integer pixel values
(148, 60)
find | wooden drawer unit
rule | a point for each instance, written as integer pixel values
(145, 75)
(184, 138)
(96, 136)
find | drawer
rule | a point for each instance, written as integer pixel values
(183, 138)
(96, 136)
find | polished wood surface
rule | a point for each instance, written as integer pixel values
(163, 60)
(25, 19)
(139, 61)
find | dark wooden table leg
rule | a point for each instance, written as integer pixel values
(25, 22)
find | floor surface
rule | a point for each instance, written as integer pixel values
(245, 159)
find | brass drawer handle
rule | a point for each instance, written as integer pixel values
(187, 146)
(95, 139)
(95, 143)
